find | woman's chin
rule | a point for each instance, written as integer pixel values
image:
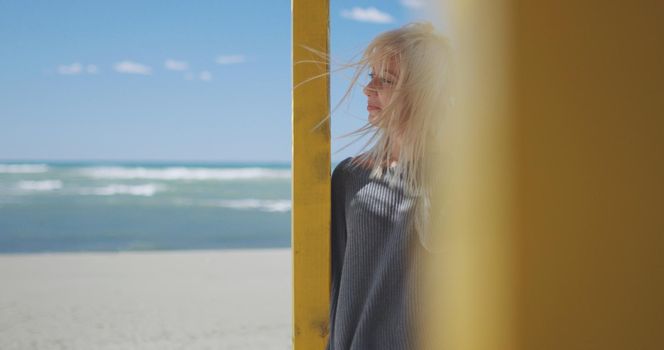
(373, 119)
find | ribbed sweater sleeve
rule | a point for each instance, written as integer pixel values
(338, 238)
(371, 304)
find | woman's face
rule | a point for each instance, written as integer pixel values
(379, 89)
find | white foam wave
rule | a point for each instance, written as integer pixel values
(182, 173)
(146, 190)
(269, 205)
(44, 185)
(23, 168)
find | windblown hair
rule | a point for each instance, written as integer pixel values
(413, 115)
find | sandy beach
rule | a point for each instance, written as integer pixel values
(226, 299)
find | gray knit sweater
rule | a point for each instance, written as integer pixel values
(372, 299)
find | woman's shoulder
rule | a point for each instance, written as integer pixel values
(350, 166)
(341, 169)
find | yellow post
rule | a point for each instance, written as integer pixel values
(311, 175)
(553, 230)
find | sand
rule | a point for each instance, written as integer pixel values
(233, 299)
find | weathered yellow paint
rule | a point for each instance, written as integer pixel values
(311, 175)
(553, 231)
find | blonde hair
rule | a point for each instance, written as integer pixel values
(414, 113)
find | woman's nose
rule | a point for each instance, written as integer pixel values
(369, 89)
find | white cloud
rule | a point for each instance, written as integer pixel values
(74, 68)
(369, 14)
(77, 68)
(205, 76)
(230, 59)
(413, 4)
(91, 69)
(171, 64)
(130, 67)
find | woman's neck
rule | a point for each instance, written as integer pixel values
(394, 152)
(393, 156)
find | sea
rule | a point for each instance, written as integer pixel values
(128, 206)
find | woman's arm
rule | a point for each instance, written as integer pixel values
(338, 239)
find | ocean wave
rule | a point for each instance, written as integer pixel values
(269, 205)
(182, 173)
(44, 185)
(23, 168)
(146, 190)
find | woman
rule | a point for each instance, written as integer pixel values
(380, 197)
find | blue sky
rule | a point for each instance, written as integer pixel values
(166, 80)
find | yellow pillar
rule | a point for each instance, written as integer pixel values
(553, 234)
(311, 175)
